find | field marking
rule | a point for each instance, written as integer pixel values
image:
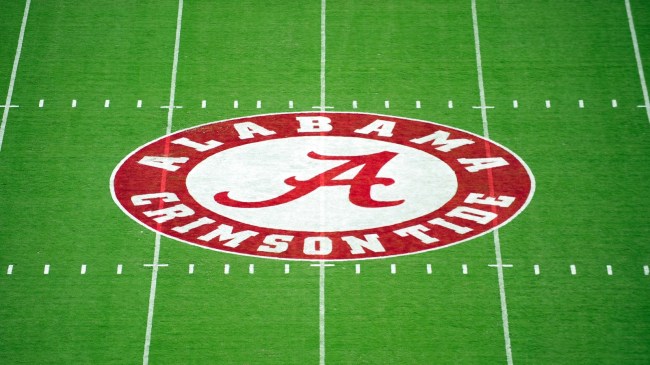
(155, 265)
(497, 243)
(287, 268)
(614, 103)
(515, 104)
(226, 269)
(323, 59)
(357, 268)
(83, 269)
(190, 269)
(235, 104)
(354, 104)
(46, 270)
(637, 55)
(393, 269)
(450, 104)
(500, 265)
(14, 70)
(10, 269)
(259, 104)
(536, 269)
(251, 269)
(74, 103)
(573, 269)
(139, 104)
(321, 310)
(156, 255)
(321, 271)
(119, 269)
(429, 270)
(464, 267)
(107, 103)
(548, 104)
(204, 104)
(41, 103)
(581, 104)
(418, 105)
(387, 104)
(646, 270)
(290, 104)
(610, 272)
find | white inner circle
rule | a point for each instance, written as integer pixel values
(257, 172)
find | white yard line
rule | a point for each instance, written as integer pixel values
(14, 69)
(497, 242)
(321, 281)
(323, 7)
(637, 54)
(156, 255)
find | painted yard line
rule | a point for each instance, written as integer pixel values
(190, 269)
(536, 269)
(646, 270)
(515, 104)
(321, 308)
(321, 275)
(573, 269)
(418, 105)
(74, 103)
(14, 70)
(497, 243)
(581, 104)
(429, 270)
(119, 269)
(107, 103)
(637, 55)
(10, 269)
(387, 104)
(251, 269)
(139, 104)
(46, 270)
(614, 103)
(610, 272)
(156, 255)
(83, 269)
(226, 269)
(464, 269)
(287, 268)
(354, 104)
(393, 269)
(204, 104)
(323, 58)
(357, 268)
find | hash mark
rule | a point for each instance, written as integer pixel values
(10, 269)
(515, 104)
(464, 269)
(536, 269)
(226, 269)
(354, 104)
(46, 270)
(251, 269)
(107, 103)
(290, 104)
(609, 270)
(139, 104)
(235, 104)
(581, 104)
(204, 103)
(286, 268)
(41, 103)
(614, 103)
(548, 104)
(387, 104)
(191, 269)
(646, 270)
(573, 269)
(119, 269)
(259, 104)
(357, 268)
(74, 103)
(429, 271)
(393, 269)
(417, 104)
(450, 104)
(83, 269)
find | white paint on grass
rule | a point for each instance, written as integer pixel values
(46, 270)
(83, 269)
(429, 270)
(357, 268)
(464, 267)
(139, 104)
(156, 256)
(646, 270)
(393, 269)
(41, 103)
(573, 269)
(204, 104)
(581, 104)
(290, 104)
(515, 104)
(10, 269)
(614, 103)
(235, 104)
(610, 272)
(548, 104)
(637, 55)
(259, 104)
(226, 269)
(418, 105)
(107, 103)
(119, 269)
(14, 70)
(190, 269)
(251, 269)
(354, 104)
(536, 269)
(497, 242)
(287, 268)
(450, 104)
(74, 103)
(387, 104)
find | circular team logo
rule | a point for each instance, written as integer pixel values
(322, 186)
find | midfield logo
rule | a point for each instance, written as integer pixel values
(322, 186)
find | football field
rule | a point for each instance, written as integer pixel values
(562, 84)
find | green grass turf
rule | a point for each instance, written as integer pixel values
(590, 164)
